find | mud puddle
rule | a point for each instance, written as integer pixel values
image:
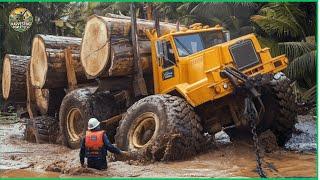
(21, 173)
(19, 158)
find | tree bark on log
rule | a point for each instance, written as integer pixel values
(121, 59)
(106, 48)
(31, 101)
(14, 78)
(48, 66)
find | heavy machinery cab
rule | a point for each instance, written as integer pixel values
(190, 61)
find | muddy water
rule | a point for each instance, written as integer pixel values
(229, 159)
(237, 160)
(20, 173)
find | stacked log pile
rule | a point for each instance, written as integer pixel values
(59, 64)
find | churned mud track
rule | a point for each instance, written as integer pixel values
(19, 158)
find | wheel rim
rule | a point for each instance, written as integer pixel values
(75, 125)
(145, 130)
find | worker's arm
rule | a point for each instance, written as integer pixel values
(82, 153)
(109, 146)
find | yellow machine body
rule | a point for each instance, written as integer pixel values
(197, 77)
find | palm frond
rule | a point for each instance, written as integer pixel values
(186, 7)
(191, 19)
(303, 69)
(281, 19)
(246, 4)
(276, 26)
(295, 49)
(290, 10)
(232, 23)
(209, 9)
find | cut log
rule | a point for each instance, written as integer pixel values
(48, 101)
(31, 102)
(121, 59)
(102, 50)
(48, 66)
(14, 78)
(42, 101)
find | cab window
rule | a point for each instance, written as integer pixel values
(188, 44)
(192, 43)
(169, 59)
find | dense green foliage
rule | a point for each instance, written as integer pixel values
(284, 27)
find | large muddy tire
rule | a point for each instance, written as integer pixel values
(46, 129)
(160, 128)
(30, 132)
(280, 108)
(72, 118)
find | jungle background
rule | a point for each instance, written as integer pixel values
(287, 28)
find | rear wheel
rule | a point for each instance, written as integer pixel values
(46, 129)
(78, 107)
(281, 113)
(72, 118)
(161, 128)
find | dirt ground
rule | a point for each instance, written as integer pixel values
(19, 158)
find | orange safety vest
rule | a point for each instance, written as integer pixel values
(94, 142)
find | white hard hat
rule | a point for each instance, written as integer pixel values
(93, 123)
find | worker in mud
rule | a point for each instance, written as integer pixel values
(95, 145)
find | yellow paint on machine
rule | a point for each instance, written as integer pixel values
(197, 76)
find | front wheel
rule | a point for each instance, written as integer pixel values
(161, 128)
(281, 112)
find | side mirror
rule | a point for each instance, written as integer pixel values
(159, 49)
(226, 34)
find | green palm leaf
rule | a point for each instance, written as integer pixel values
(209, 9)
(281, 19)
(303, 69)
(295, 49)
(276, 26)
(191, 19)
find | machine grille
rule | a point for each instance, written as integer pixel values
(244, 54)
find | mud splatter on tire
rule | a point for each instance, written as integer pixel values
(179, 134)
(46, 129)
(281, 112)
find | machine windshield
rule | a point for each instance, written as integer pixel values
(192, 43)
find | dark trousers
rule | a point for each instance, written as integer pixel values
(97, 163)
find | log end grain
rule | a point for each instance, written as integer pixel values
(6, 77)
(38, 63)
(14, 78)
(95, 46)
